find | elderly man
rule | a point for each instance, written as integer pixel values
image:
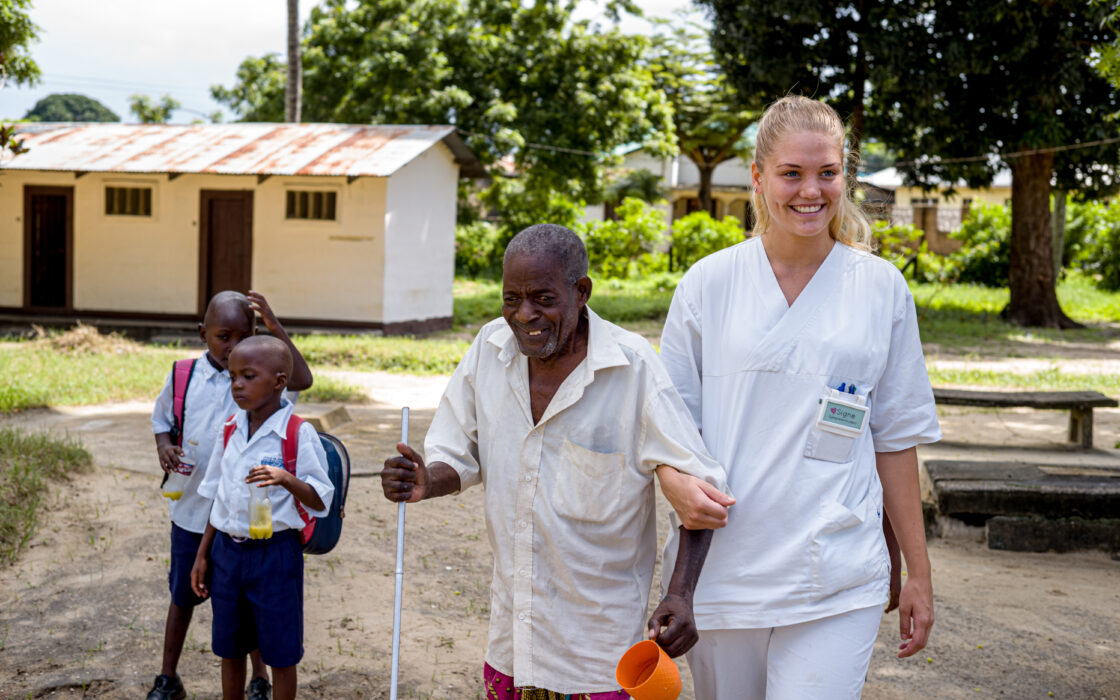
(565, 418)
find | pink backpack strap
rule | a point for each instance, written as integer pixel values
(227, 429)
(289, 450)
(181, 373)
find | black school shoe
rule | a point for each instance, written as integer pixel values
(167, 688)
(259, 689)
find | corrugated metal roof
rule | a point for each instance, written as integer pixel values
(234, 149)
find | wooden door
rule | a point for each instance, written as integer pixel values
(48, 247)
(226, 243)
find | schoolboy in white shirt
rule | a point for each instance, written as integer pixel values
(257, 584)
(229, 319)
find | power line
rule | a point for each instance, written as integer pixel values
(115, 85)
(1012, 154)
(538, 146)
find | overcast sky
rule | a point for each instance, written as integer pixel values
(110, 49)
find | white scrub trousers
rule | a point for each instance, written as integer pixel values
(822, 659)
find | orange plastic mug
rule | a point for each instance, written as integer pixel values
(646, 672)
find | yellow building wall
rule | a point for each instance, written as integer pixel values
(330, 270)
(132, 263)
(11, 228)
(989, 195)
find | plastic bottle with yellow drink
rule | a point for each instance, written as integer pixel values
(260, 513)
(179, 475)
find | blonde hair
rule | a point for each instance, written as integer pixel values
(794, 113)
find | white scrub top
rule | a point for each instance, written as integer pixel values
(804, 540)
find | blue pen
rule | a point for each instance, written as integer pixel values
(852, 389)
(841, 387)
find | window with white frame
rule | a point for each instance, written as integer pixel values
(319, 205)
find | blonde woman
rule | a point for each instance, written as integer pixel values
(797, 353)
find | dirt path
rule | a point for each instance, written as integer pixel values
(83, 609)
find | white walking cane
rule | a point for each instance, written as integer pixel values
(399, 575)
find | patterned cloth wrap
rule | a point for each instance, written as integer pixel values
(499, 686)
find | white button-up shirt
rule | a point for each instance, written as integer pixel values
(207, 404)
(225, 483)
(570, 500)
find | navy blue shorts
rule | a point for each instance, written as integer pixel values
(184, 547)
(257, 596)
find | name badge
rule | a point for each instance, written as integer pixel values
(843, 414)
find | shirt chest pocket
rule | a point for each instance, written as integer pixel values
(588, 483)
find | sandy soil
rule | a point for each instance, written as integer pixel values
(83, 609)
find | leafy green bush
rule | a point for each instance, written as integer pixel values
(983, 257)
(478, 252)
(1093, 241)
(698, 235)
(519, 207)
(903, 245)
(629, 246)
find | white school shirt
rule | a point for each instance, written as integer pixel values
(225, 483)
(207, 404)
(804, 540)
(570, 507)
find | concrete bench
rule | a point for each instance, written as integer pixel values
(1080, 405)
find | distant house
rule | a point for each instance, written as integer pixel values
(337, 225)
(680, 181)
(934, 211)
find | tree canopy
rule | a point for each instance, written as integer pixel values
(149, 111)
(984, 87)
(70, 107)
(826, 49)
(708, 119)
(958, 91)
(17, 33)
(524, 82)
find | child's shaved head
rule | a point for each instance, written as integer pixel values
(227, 305)
(272, 352)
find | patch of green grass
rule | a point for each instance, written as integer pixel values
(36, 376)
(1052, 379)
(326, 388)
(27, 462)
(628, 301)
(477, 301)
(388, 354)
(962, 316)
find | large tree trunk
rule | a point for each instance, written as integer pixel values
(855, 128)
(294, 95)
(1031, 276)
(1058, 230)
(705, 190)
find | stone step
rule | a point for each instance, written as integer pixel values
(1032, 534)
(968, 488)
(1028, 506)
(324, 417)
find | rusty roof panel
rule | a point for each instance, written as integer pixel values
(230, 149)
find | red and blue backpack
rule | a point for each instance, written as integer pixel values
(319, 535)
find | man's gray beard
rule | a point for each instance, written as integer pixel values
(547, 351)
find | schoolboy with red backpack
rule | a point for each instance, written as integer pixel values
(187, 422)
(253, 571)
